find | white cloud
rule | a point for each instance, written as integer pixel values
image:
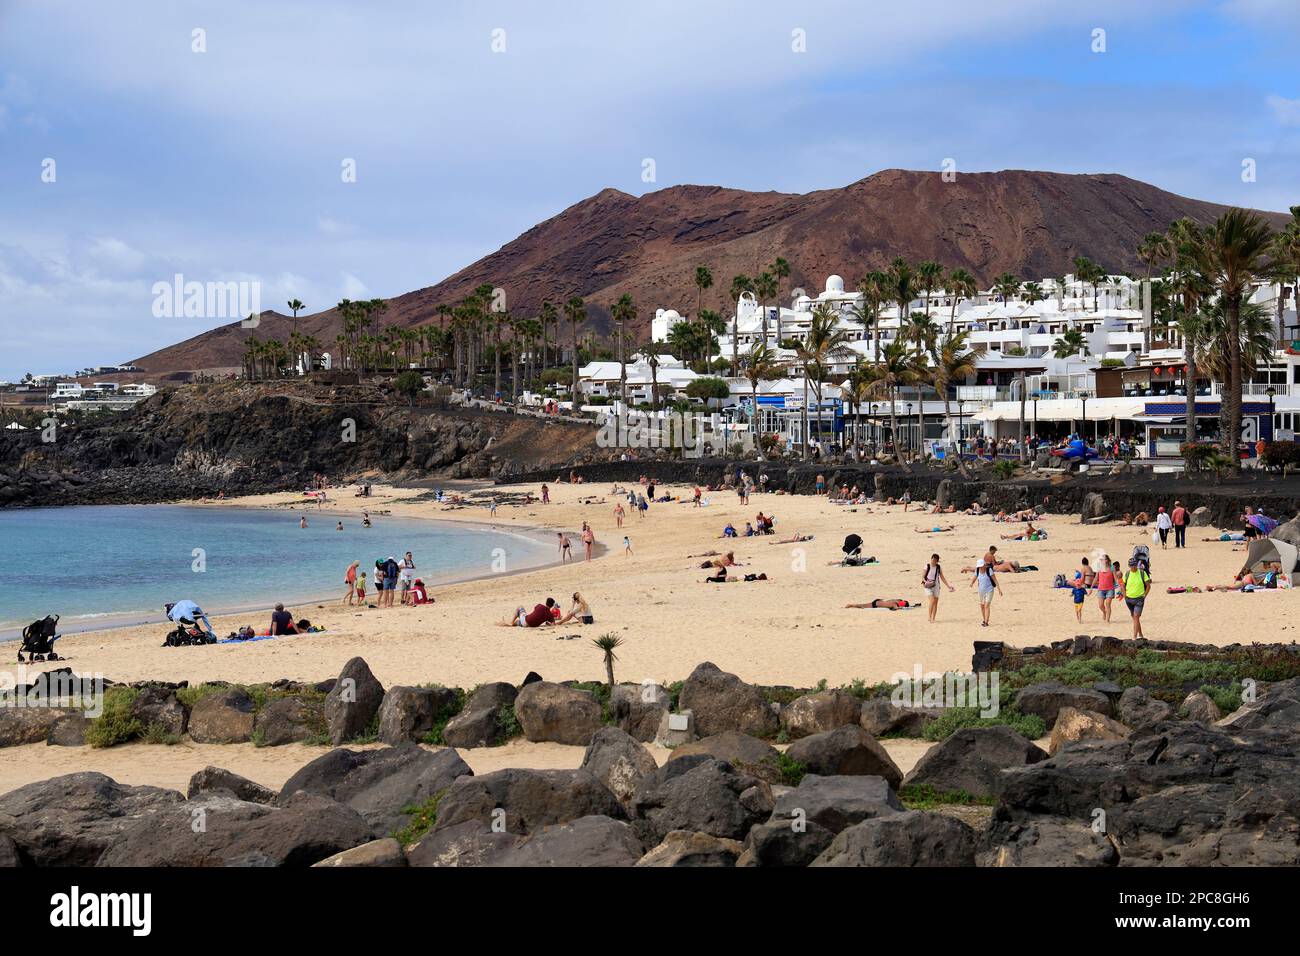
(353, 288)
(1286, 111)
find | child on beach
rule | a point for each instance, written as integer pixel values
(627, 546)
(1079, 591)
(988, 584)
(565, 547)
(361, 589)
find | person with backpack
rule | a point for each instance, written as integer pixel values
(931, 578)
(1137, 585)
(988, 584)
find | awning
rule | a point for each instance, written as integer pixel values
(1063, 410)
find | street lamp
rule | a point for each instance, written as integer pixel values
(1035, 414)
(1082, 431)
(1271, 392)
(909, 428)
(960, 410)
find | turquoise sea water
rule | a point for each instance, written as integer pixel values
(118, 564)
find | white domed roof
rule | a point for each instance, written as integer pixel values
(802, 300)
(834, 284)
(670, 314)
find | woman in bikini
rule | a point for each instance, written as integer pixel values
(891, 604)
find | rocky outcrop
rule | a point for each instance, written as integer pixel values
(972, 760)
(819, 712)
(225, 718)
(639, 708)
(682, 848)
(379, 784)
(71, 820)
(291, 720)
(846, 751)
(587, 841)
(521, 801)
(1074, 725)
(834, 803)
(699, 795)
(558, 714)
(722, 702)
(217, 829)
(618, 761)
(1138, 709)
(1200, 707)
(745, 753)
(479, 722)
(408, 714)
(903, 839)
(215, 780)
(1047, 698)
(29, 725)
(377, 853)
(353, 702)
(881, 718)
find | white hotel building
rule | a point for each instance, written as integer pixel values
(1134, 395)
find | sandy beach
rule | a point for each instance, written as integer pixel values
(792, 629)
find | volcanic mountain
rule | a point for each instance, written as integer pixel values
(1032, 224)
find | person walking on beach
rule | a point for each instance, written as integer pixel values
(988, 585)
(588, 539)
(546, 495)
(931, 578)
(1079, 590)
(698, 494)
(627, 546)
(566, 548)
(406, 574)
(619, 514)
(492, 508)
(1106, 584)
(1137, 585)
(1179, 519)
(350, 581)
(1163, 525)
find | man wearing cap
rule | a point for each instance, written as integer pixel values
(391, 571)
(1137, 585)
(1179, 518)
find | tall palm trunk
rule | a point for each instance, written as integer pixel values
(575, 366)
(622, 368)
(758, 439)
(1189, 356)
(1232, 405)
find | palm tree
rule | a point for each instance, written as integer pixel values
(703, 280)
(902, 287)
(548, 318)
(824, 343)
(295, 306)
(1089, 273)
(1007, 285)
(766, 287)
(575, 313)
(780, 270)
(1071, 342)
(608, 644)
(1286, 266)
(953, 362)
(857, 391)
(961, 284)
(896, 368)
(653, 362)
(711, 325)
(929, 275)
(874, 287)
(760, 365)
(921, 331)
(1032, 292)
(1230, 257)
(622, 312)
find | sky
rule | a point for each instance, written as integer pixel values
(213, 139)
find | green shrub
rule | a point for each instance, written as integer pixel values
(423, 817)
(508, 726)
(1004, 468)
(958, 718)
(791, 770)
(116, 725)
(1227, 699)
(157, 733)
(923, 796)
(443, 717)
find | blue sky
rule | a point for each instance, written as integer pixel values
(225, 165)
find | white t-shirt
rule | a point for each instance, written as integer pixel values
(407, 572)
(1163, 521)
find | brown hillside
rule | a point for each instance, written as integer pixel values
(1032, 224)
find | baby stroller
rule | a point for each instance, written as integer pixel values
(39, 638)
(186, 634)
(1142, 555)
(852, 548)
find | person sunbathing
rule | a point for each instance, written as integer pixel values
(794, 539)
(937, 529)
(728, 560)
(891, 604)
(974, 509)
(852, 561)
(1246, 580)
(721, 577)
(936, 510)
(1228, 536)
(1029, 534)
(1003, 565)
(1142, 519)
